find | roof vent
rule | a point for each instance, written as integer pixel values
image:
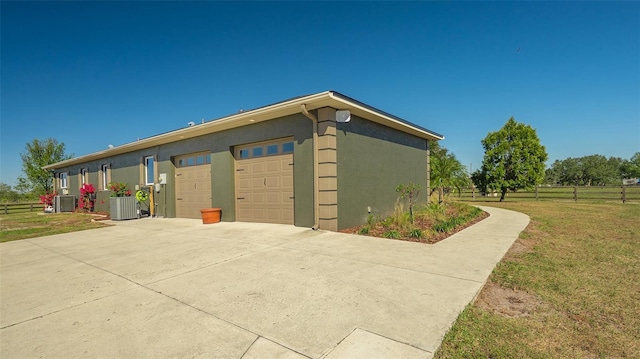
(191, 124)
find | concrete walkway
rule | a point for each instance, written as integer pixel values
(155, 288)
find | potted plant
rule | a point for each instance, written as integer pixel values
(121, 204)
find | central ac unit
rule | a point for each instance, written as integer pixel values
(64, 203)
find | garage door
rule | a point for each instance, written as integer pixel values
(193, 184)
(264, 182)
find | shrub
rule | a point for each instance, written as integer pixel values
(393, 234)
(399, 217)
(448, 224)
(364, 230)
(416, 233)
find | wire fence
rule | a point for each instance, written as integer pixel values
(622, 194)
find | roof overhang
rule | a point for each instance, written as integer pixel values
(312, 102)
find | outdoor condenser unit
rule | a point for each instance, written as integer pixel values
(64, 203)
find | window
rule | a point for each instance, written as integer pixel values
(272, 150)
(84, 178)
(104, 177)
(196, 159)
(149, 170)
(287, 147)
(261, 149)
(64, 180)
(257, 152)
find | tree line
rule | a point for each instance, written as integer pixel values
(593, 170)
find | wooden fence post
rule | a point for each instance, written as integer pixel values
(473, 193)
(5, 209)
(575, 193)
(536, 193)
(624, 194)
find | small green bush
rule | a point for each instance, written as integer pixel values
(416, 233)
(399, 217)
(393, 234)
(364, 230)
(449, 224)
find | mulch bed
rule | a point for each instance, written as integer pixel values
(420, 222)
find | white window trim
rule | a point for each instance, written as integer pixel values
(63, 178)
(104, 176)
(146, 170)
(83, 176)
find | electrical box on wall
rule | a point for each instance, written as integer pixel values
(162, 178)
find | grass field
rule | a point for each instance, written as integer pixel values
(575, 275)
(36, 224)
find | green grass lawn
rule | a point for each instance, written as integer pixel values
(37, 224)
(581, 263)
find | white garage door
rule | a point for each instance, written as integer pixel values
(264, 182)
(193, 184)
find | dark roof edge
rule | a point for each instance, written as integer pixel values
(371, 108)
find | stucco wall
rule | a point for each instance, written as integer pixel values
(373, 160)
(126, 167)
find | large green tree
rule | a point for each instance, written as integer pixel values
(447, 173)
(513, 159)
(631, 168)
(40, 153)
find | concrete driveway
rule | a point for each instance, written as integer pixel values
(154, 288)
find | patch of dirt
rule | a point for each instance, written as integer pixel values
(526, 241)
(507, 302)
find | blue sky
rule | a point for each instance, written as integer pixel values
(90, 74)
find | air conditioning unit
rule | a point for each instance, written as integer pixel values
(64, 203)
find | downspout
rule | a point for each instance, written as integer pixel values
(314, 119)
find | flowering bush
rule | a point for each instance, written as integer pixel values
(119, 189)
(86, 201)
(47, 199)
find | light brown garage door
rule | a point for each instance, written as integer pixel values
(264, 182)
(193, 184)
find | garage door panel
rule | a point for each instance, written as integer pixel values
(257, 198)
(273, 166)
(257, 183)
(244, 184)
(274, 198)
(273, 182)
(257, 168)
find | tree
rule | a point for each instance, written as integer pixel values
(8, 194)
(411, 193)
(39, 154)
(631, 168)
(585, 171)
(446, 172)
(513, 159)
